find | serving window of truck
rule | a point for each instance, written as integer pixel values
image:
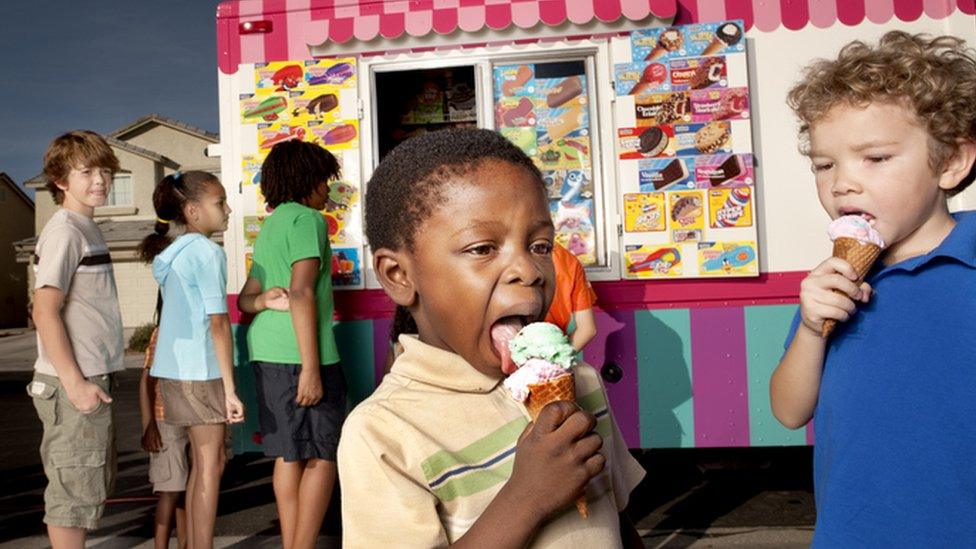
(542, 99)
(660, 128)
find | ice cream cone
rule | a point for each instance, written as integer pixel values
(861, 256)
(658, 52)
(540, 394)
(716, 45)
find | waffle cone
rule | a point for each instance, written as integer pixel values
(656, 53)
(540, 394)
(715, 46)
(861, 256)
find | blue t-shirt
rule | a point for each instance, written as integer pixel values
(192, 272)
(895, 444)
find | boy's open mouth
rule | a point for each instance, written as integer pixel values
(860, 213)
(502, 331)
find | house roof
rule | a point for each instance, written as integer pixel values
(153, 118)
(118, 234)
(38, 180)
(113, 231)
(16, 189)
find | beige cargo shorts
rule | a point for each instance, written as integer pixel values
(77, 451)
(169, 468)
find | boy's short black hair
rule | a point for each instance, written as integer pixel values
(409, 183)
(293, 170)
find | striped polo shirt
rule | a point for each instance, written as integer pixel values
(72, 255)
(422, 458)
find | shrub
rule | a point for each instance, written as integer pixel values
(140, 338)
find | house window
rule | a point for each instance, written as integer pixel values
(121, 193)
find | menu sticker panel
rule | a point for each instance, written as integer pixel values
(644, 212)
(702, 39)
(728, 259)
(719, 104)
(684, 142)
(660, 174)
(724, 170)
(643, 261)
(686, 209)
(347, 268)
(729, 208)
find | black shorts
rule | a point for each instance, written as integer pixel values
(296, 432)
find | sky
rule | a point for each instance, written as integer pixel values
(99, 65)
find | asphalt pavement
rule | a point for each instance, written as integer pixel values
(745, 497)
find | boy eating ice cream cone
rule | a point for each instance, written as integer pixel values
(890, 131)
(441, 445)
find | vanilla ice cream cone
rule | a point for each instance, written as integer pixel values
(716, 45)
(540, 394)
(861, 256)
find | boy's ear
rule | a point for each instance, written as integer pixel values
(393, 272)
(958, 165)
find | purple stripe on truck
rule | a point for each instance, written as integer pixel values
(720, 391)
(616, 341)
(381, 346)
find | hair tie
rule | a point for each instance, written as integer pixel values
(177, 175)
(163, 221)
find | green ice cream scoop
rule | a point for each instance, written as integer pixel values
(544, 341)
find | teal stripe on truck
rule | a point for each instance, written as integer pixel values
(664, 354)
(766, 329)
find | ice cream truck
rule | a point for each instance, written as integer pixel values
(662, 132)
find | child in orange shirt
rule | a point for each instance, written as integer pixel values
(574, 298)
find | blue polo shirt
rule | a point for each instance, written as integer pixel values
(895, 456)
(192, 274)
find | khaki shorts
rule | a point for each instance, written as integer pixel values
(78, 453)
(169, 467)
(190, 403)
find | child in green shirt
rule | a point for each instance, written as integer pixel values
(300, 386)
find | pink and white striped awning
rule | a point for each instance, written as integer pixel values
(768, 15)
(296, 24)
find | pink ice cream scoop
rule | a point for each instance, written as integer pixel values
(856, 227)
(857, 243)
(534, 371)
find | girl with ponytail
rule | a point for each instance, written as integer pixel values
(193, 361)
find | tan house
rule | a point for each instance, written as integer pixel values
(16, 223)
(148, 149)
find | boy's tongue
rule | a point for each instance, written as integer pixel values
(501, 333)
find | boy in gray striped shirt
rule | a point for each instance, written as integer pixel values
(79, 339)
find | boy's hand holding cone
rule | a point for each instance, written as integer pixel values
(856, 242)
(543, 357)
